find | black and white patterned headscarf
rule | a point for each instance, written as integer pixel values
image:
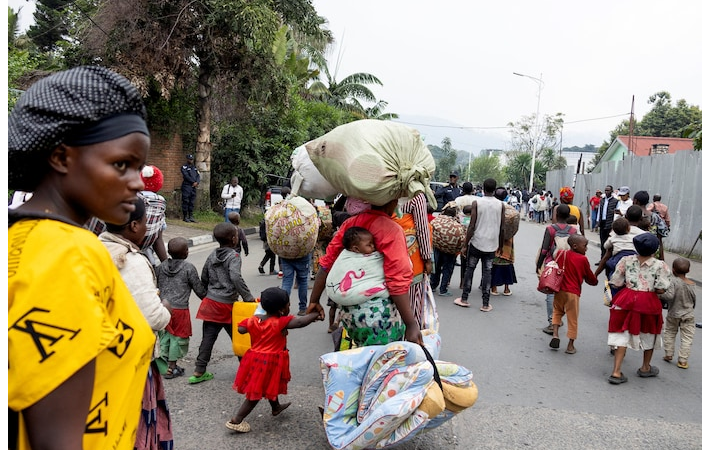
(79, 106)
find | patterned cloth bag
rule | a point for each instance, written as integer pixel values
(448, 235)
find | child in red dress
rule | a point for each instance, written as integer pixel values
(264, 371)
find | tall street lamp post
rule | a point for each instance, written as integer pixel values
(536, 126)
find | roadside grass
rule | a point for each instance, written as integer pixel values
(206, 220)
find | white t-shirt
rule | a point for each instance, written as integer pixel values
(622, 242)
(233, 196)
(487, 230)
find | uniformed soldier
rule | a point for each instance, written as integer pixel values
(191, 179)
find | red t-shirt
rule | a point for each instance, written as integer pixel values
(389, 240)
(577, 270)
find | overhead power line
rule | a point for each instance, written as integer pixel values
(460, 127)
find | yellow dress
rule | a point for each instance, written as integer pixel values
(68, 305)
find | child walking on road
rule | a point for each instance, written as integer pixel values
(681, 300)
(576, 269)
(265, 368)
(221, 276)
(176, 277)
(636, 314)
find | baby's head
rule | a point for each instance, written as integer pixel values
(562, 212)
(578, 243)
(178, 248)
(634, 214)
(572, 220)
(681, 266)
(226, 234)
(275, 301)
(234, 217)
(450, 209)
(620, 226)
(358, 240)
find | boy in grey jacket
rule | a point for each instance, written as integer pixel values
(176, 277)
(221, 276)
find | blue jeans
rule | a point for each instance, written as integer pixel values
(445, 263)
(229, 210)
(296, 269)
(593, 220)
(475, 255)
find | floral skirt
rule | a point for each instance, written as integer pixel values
(375, 322)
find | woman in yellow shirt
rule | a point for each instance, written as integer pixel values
(78, 346)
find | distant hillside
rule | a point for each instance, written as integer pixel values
(462, 156)
(590, 148)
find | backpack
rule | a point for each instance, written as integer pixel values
(559, 237)
(658, 225)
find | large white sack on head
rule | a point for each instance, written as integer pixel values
(292, 226)
(306, 179)
(375, 160)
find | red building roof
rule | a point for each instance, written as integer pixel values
(643, 145)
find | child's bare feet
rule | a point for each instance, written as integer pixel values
(281, 407)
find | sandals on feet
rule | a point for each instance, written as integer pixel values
(652, 372)
(242, 427)
(668, 358)
(682, 363)
(204, 377)
(461, 303)
(487, 308)
(555, 343)
(617, 380)
(173, 372)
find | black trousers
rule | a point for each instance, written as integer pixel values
(604, 234)
(188, 193)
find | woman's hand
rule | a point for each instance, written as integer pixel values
(318, 308)
(413, 334)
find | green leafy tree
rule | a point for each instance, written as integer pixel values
(226, 49)
(447, 163)
(529, 136)
(665, 119)
(552, 160)
(346, 94)
(377, 112)
(694, 132)
(486, 166)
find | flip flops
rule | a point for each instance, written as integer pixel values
(283, 407)
(571, 352)
(461, 303)
(242, 427)
(652, 372)
(507, 293)
(487, 308)
(555, 343)
(682, 363)
(204, 377)
(617, 380)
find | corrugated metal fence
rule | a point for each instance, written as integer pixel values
(677, 177)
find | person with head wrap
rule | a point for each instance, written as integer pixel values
(77, 139)
(636, 314)
(567, 195)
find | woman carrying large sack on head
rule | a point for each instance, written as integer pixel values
(389, 240)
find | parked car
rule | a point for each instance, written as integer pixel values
(274, 191)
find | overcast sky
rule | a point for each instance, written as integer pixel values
(451, 62)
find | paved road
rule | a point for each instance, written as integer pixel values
(530, 396)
